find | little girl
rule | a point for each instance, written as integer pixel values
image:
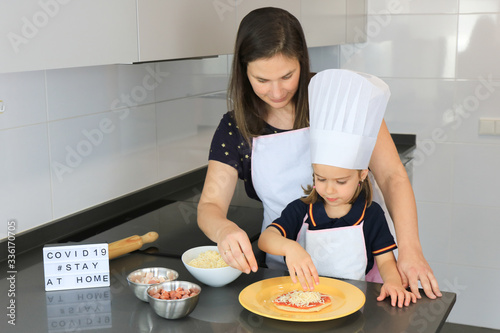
(336, 230)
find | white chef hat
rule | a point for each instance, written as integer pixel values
(346, 109)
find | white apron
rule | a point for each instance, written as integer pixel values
(336, 252)
(281, 166)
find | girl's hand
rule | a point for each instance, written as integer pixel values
(236, 249)
(399, 295)
(301, 266)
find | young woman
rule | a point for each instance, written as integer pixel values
(268, 94)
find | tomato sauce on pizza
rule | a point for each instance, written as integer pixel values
(302, 301)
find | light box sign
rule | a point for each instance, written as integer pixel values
(76, 266)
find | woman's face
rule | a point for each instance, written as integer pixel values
(275, 80)
(336, 185)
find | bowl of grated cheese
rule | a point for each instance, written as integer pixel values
(207, 266)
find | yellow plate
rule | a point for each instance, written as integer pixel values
(257, 298)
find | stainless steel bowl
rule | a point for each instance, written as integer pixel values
(173, 309)
(140, 289)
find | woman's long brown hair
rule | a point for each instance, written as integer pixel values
(262, 34)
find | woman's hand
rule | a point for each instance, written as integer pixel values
(413, 267)
(398, 194)
(301, 266)
(236, 249)
(399, 296)
(233, 243)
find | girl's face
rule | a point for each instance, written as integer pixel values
(275, 80)
(336, 185)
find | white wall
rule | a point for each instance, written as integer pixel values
(436, 56)
(74, 138)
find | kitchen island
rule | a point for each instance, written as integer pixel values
(171, 211)
(116, 309)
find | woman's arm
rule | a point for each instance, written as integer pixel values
(393, 286)
(233, 243)
(393, 180)
(298, 261)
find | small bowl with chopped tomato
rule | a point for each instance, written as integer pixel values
(141, 279)
(174, 299)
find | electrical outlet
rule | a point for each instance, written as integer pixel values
(497, 127)
(486, 126)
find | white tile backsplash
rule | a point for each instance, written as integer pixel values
(475, 99)
(477, 296)
(25, 190)
(479, 6)
(23, 106)
(387, 53)
(417, 106)
(74, 138)
(474, 175)
(185, 128)
(435, 227)
(440, 60)
(191, 77)
(84, 91)
(471, 222)
(433, 171)
(472, 64)
(100, 157)
(325, 57)
(413, 7)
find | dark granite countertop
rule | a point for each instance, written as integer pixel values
(116, 309)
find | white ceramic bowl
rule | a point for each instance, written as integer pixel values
(214, 277)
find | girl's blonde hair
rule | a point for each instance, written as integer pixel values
(365, 187)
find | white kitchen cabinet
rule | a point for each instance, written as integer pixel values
(333, 22)
(46, 34)
(246, 6)
(356, 21)
(175, 29)
(324, 22)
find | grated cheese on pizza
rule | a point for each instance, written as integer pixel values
(300, 298)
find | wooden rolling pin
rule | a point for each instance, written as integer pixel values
(130, 244)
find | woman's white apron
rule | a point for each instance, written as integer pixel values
(281, 166)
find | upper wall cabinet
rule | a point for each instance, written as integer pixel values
(356, 21)
(324, 22)
(246, 6)
(45, 34)
(174, 29)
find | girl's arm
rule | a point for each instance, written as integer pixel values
(398, 194)
(393, 286)
(233, 243)
(298, 261)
